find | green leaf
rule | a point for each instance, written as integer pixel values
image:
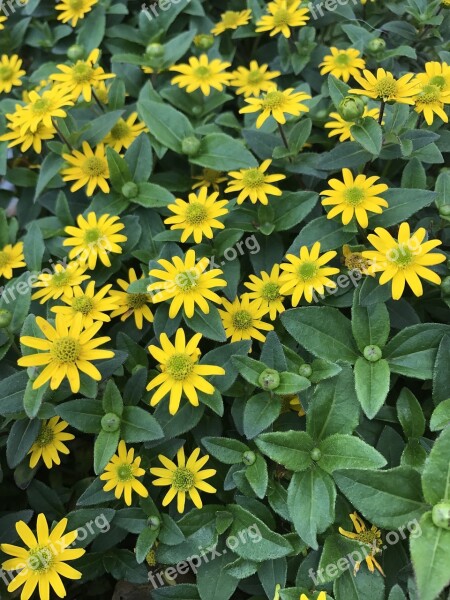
(139, 158)
(370, 324)
(119, 173)
(436, 473)
(182, 591)
(50, 167)
(257, 476)
(292, 208)
(441, 416)
(441, 372)
(429, 553)
(112, 400)
(336, 557)
(104, 447)
(338, 90)
(213, 580)
(414, 175)
(328, 232)
(288, 448)
(323, 331)
(12, 389)
(223, 153)
(20, 439)
(166, 124)
(138, 425)
(389, 498)
(368, 134)
(32, 399)
(403, 203)
(16, 298)
(33, 247)
(311, 499)
(222, 356)
(153, 196)
(341, 451)
(365, 585)
(83, 414)
(371, 384)
(272, 573)
(410, 415)
(145, 543)
(260, 412)
(209, 325)
(272, 353)
(99, 128)
(226, 450)
(249, 368)
(291, 383)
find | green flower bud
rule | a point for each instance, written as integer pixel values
(76, 52)
(316, 454)
(376, 45)
(351, 108)
(5, 318)
(130, 190)
(372, 353)
(154, 523)
(445, 286)
(190, 145)
(305, 370)
(155, 51)
(444, 210)
(441, 515)
(249, 458)
(204, 41)
(197, 111)
(269, 379)
(110, 422)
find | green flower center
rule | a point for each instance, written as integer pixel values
(281, 17)
(369, 538)
(6, 73)
(242, 319)
(401, 256)
(4, 259)
(354, 196)
(135, 301)
(60, 279)
(253, 178)
(125, 472)
(270, 291)
(307, 271)
(92, 235)
(230, 18)
(120, 130)
(40, 559)
(342, 60)
(76, 4)
(439, 81)
(255, 76)
(273, 100)
(186, 280)
(179, 366)
(83, 304)
(82, 72)
(429, 94)
(66, 350)
(196, 213)
(94, 166)
(202, 72)
(45, 437)
(41, 106)
(183, 479)
(386, 88)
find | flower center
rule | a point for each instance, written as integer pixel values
(281, 17)
(82, 72)
(4, 259)
(6, 73)
(429, 94)
(45, 437)
(255, 76)
(66, 350)
(202, 72)
(354, 196)
(186, 280)
(242, 319)
(196, 213)
(230, 18)
(179, 366)
(386, 87)
(401, 256)
(270, 291)
(40, 559)
(183, 479)
(438, 81)
(92, 235)
(60, 279)
(125, 472)
(94, 166)
(76, 4)
(41, 106)
(273, 100)
(253, 178)
(135, 301)
(369, 538)
(307, 271)
(342, 60)
(356, 261)
(120, 130)
(83, 304)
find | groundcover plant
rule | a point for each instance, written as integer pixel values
(225, 293)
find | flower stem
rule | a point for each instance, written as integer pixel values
(283, 135)
(94, 95)
(382, 107)
(61, 135)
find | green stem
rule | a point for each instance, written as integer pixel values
(61, 135)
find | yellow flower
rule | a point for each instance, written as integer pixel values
(197, 216)
(283, 14)
(43, 561)
(124, 132)
(276, 103)
(49, 443)
(87, 169)
(343, 64)
(95, 238)
(430, 100)
(295, 405)
(92, 306)
(436, 73)
(231, 19)
(67, 350)
(353, 197)
(10, 72)
(42, 108)
(266, 290)
(2, 20)
(254, 184)
(186, 283)
(253, 81)
(242, 319)
(404, 260)
(180, 371)
(73, 10)
(80, 78)
(11, 257)
(121, 474)
(306, 273)
(60, 283)
(354, 261)
(342, 128)
(131, 303)
(209, 178)
(385, 87)
(29, 138)
(201, 74)
(184, 478)
(321, 596)
(370, 538)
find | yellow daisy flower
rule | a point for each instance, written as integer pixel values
(202, 74)
(124, 132)
(232, 19)
(184, 478)
(343, 64)
(60, 283)
(254, 184)
(180, 371)
(10, 72)
(322, 596)
(354, 261)
(11, 257)
(80, 78)
(266, 290)
(368, 537)
(2, 20)
(42, 563)
(121, 474)
(74, 10)
(276, 103)
(186, 283)
(306, 273)
(42, 108)
(436, 73)
(67, 350)
(385, 87)
(92, 306)
(95, 238)
(430, 100)
(242, 319)
(296, 405)
(283, 14)
(209, 178)
(29, 139)
(87, 168)
(253, 81)
(197, 216)
(342, 128)
(354, 197)
(50, 442)
(130, 303)
(404, 260)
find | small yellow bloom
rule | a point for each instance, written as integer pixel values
(87, 168)
(29, 139)
(436, 73)
(385, 87)
(232, 19)
(121, 474)
(41, 109)
(242, 319)
(10, 72)
(50, 442)
(124, 132)
(11, 257)
(202, 74)
(354, 261)
(254, 184)
(74, 10)
(209, 178)
(131, 303)
(431, 100)
(370, 538)
(266, 290)
(343, 64)
(184, 478)
(283, 14)
(254, 80)
(277, 103)
(342, 128)
(60, 283)
(92, 306)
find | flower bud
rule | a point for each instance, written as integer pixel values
(190, 145)
(351, 108)
(204, 41)
(315, 454)
(110, 422)
(153, 522)
(5, 318)
(376, 45)
(76, 52)
(249, 458)
(305, 370)
(197, 111)
(444, 210)
(155, 51)
(372, 353)
(269, 379)
(130, 190)
(441, 515)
